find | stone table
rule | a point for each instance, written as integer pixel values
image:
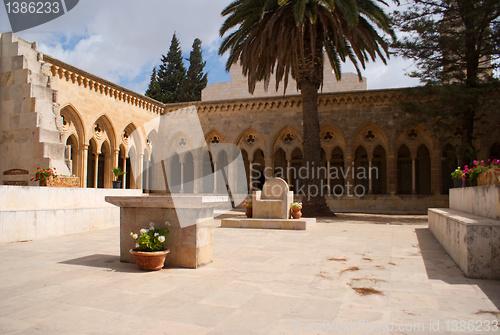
(190, 217)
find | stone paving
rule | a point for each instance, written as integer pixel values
(342, 276)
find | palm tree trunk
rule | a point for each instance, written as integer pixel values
(314, 201)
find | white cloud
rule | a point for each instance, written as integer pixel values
(121, 40)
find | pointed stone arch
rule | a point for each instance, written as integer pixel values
(249, 140)
(287, 139)
(369, 135)
(331, 137)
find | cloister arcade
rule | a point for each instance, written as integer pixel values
(408, 165)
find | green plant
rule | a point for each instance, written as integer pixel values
(44, 173)
(152, 239)
(247, 204)
(296, 205)
(473, 172)
(118, 172)
(457, 174)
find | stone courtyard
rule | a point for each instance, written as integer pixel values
(352, 274)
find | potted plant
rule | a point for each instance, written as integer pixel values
(117, 172)
(149, 251)
(296, 207)
(43, 175)
(248, 208)
(458, 178)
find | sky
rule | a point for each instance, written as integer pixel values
(122, 40)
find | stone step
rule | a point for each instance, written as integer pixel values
(472, 241)
(290, 224)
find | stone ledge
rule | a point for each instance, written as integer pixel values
(291, 224)
(472, 241)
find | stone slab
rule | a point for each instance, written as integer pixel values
(470, 240)
(479, 200)
(291, 224)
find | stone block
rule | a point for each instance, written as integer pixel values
(470, 240)
(251, 223)
(230, 223)
(287, 225)
(480, 200)
(271, 224)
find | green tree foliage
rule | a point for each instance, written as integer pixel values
(172, 73)
(456, 48)
(196, 80)
(154, 89)
(172, 83)
(290, 37)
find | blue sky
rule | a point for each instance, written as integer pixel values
(122, 40)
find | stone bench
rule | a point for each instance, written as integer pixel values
(471, 240)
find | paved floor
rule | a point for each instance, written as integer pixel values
(341, 277)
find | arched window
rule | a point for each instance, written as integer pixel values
(379, 171)
(449, 163)
(423, 170)
(404, 170)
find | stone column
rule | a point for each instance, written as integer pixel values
(328, 181)
(215, 177)
(197, 167)
(140, 172)
(268, 169)
(124, 170)
(85, 155)
(392, 176)
(288, 167)
(348, 168)
(145, 176)
(250, 176)
(370, 179)
(413, 175)
(182, 177)
(96, 168)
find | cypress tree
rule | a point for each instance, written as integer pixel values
(172, 73)
(154, 89)
(196, 80)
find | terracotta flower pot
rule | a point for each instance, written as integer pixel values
(248, 212)
(150, 261)
(296, 213)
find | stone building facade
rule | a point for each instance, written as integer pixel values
(55, 115)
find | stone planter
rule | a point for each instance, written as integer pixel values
(296, 213)
(248, 212)
(60, 181)
(150, 261)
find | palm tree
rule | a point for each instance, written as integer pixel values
(284, 37)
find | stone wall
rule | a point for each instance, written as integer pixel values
(33, 213)
(237, 88)
(30, 125)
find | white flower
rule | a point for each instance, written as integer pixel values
(167, 223)
(152, 225)
(135, 236)
(161, 239)
(137, 245)
(156, 234)
(131, 234)
(144, 231)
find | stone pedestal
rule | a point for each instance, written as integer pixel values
(190, 244)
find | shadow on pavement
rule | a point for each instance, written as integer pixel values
(440, 266)
(111, 262)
